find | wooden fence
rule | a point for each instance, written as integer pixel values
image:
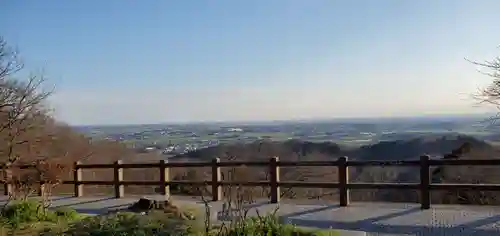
(425, 186)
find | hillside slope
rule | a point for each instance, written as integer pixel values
(436, 146)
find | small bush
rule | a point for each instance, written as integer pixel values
(258, 226)
(269, 225)
(21, 212)
(154, 223)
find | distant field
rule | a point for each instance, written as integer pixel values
(354, 140)
(227, 138)
(271, 135)
(349, 132)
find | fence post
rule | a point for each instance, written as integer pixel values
(77, 178)
(164, 179)
(425, 193)
(274, 172)
(7, 186)
(343, 172)
(216, 179)
(118, 178)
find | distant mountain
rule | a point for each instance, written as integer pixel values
(291, 149)
(434, 145)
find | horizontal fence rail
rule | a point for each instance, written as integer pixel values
(425, 186)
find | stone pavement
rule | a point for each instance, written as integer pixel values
(373, 218)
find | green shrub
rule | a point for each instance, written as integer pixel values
(259, 226)
(159, 223)
(127, 224)
(21, 212)
(270, 225)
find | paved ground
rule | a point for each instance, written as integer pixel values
(374, 218)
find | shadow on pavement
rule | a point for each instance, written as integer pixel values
(372, 225)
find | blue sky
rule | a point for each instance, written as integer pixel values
(200, 60)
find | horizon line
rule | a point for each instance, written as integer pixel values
(451, 115)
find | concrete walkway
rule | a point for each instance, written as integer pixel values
(374, 218)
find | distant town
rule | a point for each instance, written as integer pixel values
(179, 139)
(171, 142)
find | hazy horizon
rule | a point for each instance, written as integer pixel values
(130, 62)
(480, 117)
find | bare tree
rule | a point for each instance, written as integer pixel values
(9, 60)
(22, 104)
(23, 116)
(30, 135)
(491, 93)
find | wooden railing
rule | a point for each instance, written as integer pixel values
(425, 186)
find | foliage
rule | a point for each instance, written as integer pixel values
(269, 225)
(19, 213)
(127, 224)
(157, 223)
